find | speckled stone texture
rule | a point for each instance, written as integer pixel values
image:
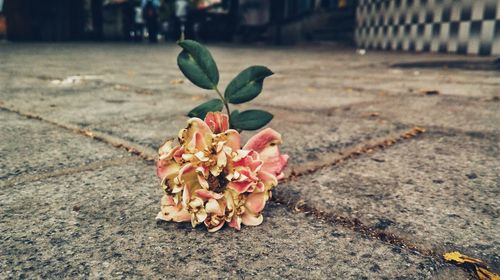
(101, 224)
(34, 147)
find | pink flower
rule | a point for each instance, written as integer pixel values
(209, 179)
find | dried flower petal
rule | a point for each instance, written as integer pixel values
(266, 144)
(217, 122)
(209, 179)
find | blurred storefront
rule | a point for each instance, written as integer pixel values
(48, 20)
(276, 21)
(460, 26)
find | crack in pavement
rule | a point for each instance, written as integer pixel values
(145, 153)
(334, 158)
(297, 204)
(96, 165)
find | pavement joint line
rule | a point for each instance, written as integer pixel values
(447, 131)
(298, 205)
(97, 165)
(327, 111)
(335, 158)
(145, 153)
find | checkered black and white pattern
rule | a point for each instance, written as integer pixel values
(455, 26)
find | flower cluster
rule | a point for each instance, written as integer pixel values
(210, 179)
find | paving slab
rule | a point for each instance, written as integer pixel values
(31, 147)
(439, 191)
(101, 224)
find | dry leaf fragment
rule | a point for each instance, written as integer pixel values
(177, 81)
(299, 206)
(121, 87)
(430, 92)
(419, 129)
(198, 97)
(310, 90)
(485, 274)
(479, 267)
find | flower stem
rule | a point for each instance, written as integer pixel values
(225, 102)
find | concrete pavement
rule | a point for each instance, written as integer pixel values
(77, 199)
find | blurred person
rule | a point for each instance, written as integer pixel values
(181, 12)
(138, 24)
(255, 16)
(3, 24)
(150, 10)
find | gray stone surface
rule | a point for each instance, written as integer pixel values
(440, 191)
(29, 147)
(101, 224)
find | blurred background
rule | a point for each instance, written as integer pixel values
(453, 26)
(215, 20)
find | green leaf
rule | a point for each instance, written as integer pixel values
(214, 105)
(234, 115)
(250, 119)
(247, 85)
(197, 64)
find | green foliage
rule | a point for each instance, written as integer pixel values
(247, 85)
(250, 119)
(214, 105)
(197, 64)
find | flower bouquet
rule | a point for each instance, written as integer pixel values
(208, 177)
